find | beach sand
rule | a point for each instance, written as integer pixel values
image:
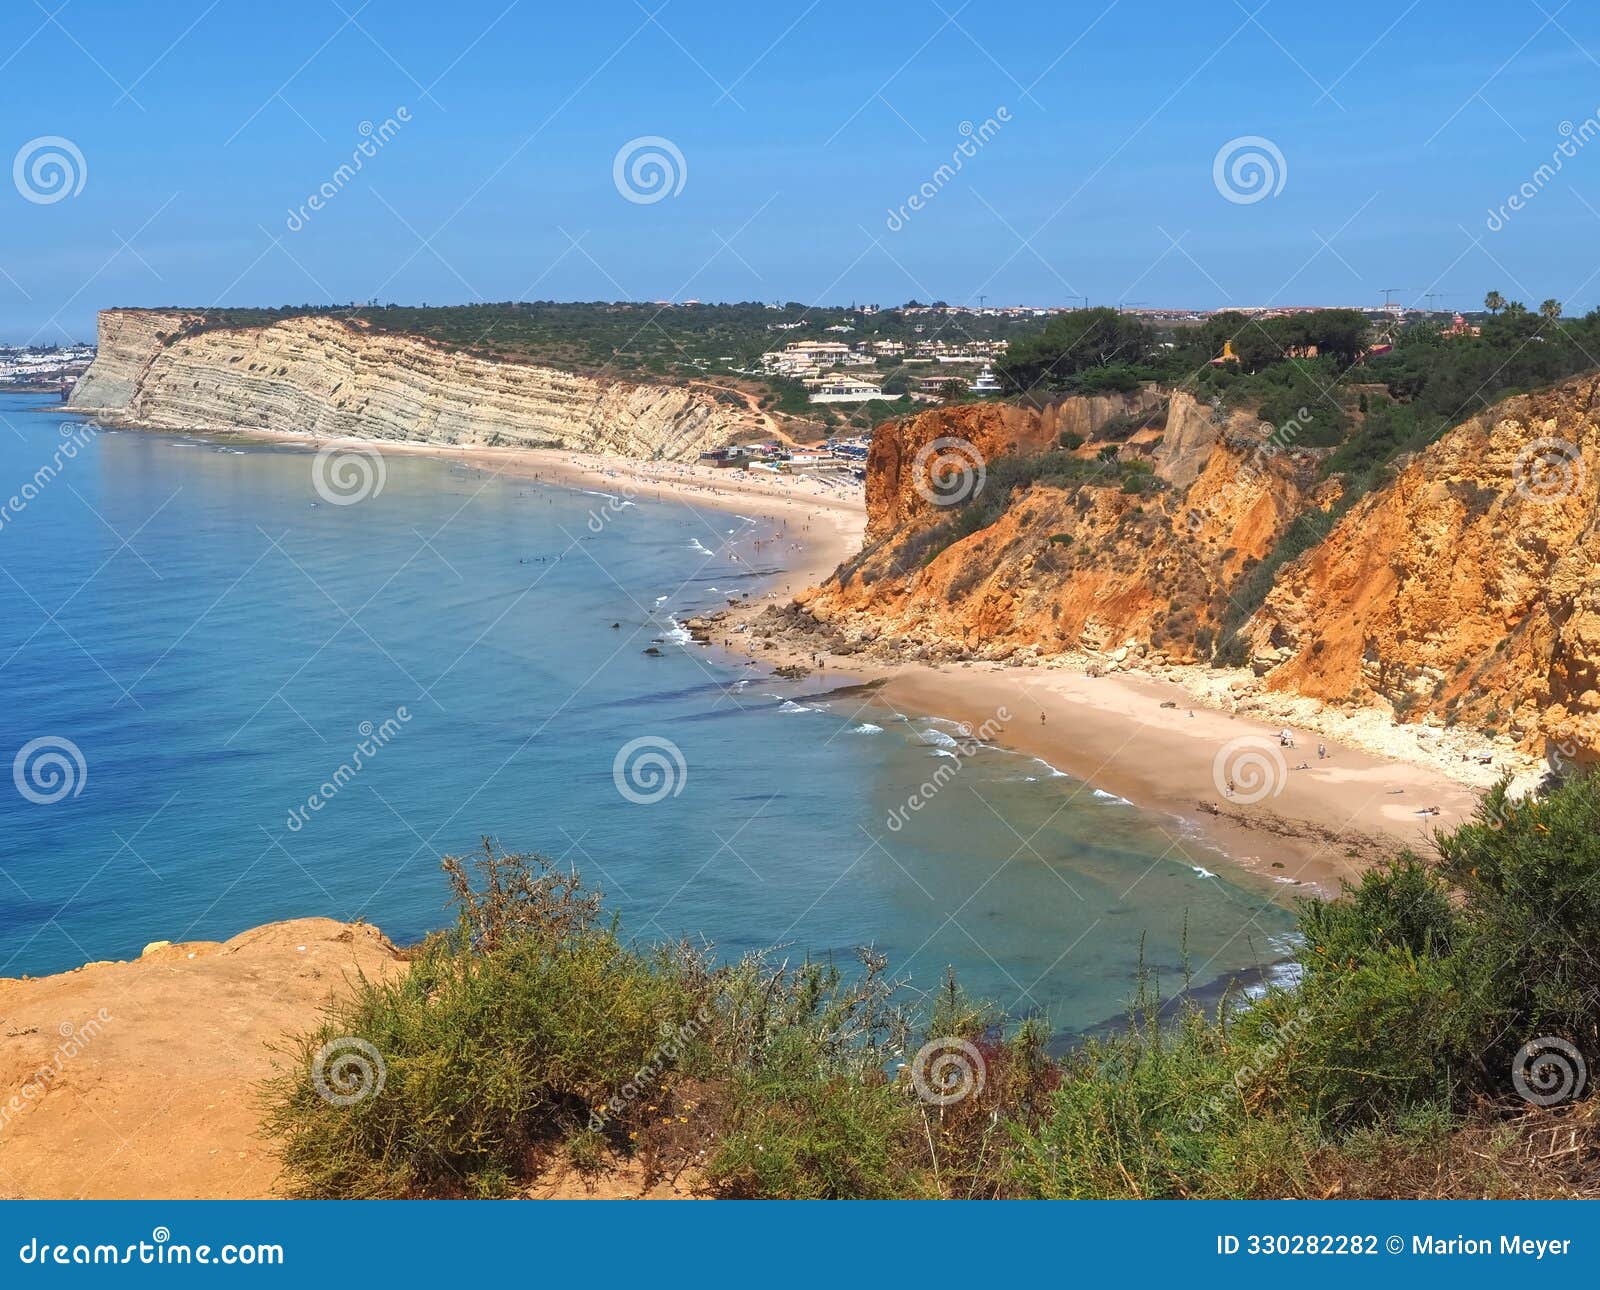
(1314, 826)
(1306, 829)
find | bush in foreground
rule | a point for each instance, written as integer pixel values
(532, 1032)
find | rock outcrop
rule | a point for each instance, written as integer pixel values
(992, 431)
(330, 378)
(1065, 565)
(1469, 589)
(145, 1079)
(142, 1079)
(1466, 591)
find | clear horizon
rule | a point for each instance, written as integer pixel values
(1134, 154)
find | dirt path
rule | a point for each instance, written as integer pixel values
(753, 403)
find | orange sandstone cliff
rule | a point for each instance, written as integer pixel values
(1467, 590)
(1071, 563)
(1463, 591)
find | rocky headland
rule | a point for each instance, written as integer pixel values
(329, 378)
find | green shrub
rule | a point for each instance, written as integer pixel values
(811, 1113)
(493, 1047)
(1115, 378)
(1085, 351)
(1166, 1109)
(799, 1133)
(1529, 873)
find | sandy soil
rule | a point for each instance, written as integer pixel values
(138, 1079)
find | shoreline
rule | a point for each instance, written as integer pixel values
(1130, 733)
(1166, 745)
(1133, 736)
(829, 516)
(1313, 828)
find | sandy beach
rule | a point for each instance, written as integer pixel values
(1293, 815)
(1304, 821)
(815, 523)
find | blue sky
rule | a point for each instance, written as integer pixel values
(202, 125)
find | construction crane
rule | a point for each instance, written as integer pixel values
(1435, 295)
(1389, 294)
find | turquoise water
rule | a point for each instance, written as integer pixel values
(210, 634)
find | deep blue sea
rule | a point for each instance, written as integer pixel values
(214, 638)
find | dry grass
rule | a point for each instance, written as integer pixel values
(1537, 1154)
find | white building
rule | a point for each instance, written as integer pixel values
(843, 389)
(809, 356)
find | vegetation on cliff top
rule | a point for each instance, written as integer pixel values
(1318, 360)
(1398, 1065)
(1372, 392)
(1362, 395)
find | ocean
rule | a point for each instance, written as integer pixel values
(242, 683)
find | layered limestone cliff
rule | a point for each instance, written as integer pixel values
(328, 378)
(1467, 591)
(1067, 565)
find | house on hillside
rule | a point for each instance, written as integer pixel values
(842, 389)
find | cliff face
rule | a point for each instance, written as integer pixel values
(129, 341)
(1468, 590)
(993, 430)
(1066, 565)
(325, 377)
